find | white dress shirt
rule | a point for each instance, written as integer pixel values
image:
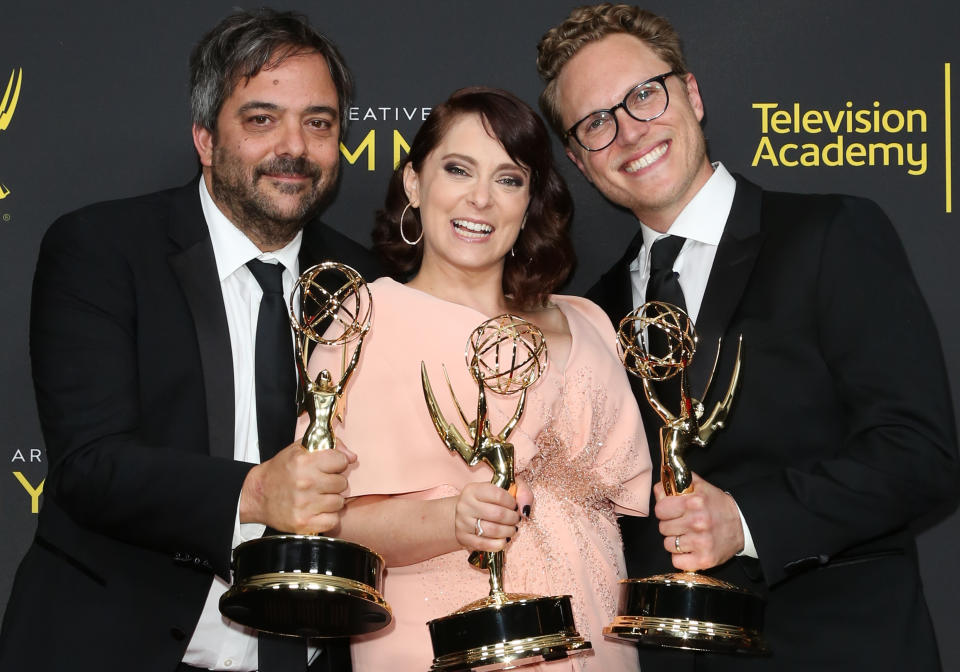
(701, 222)
(218, 643)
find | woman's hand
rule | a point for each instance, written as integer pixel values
(496, 510)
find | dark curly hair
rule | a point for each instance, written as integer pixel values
(242, 45)
(543, 254)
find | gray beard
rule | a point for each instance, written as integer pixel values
(254, 213)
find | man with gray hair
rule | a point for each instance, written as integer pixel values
(842, 435)
(164, 455)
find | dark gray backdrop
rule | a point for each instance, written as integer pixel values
(102, 113)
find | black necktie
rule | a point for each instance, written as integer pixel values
(276, 389)
(276, 382)
(664, 285)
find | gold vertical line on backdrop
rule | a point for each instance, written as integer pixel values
(946, 134)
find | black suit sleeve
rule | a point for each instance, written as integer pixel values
(120, 464)
(898, 457)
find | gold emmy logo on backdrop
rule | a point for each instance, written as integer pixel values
(10, 97)
(682, 610)
(7, 107)
(386, 120)
(312, 585)
(506, 355)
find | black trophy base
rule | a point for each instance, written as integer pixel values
(689, 611)
(505, 631)
(306, 586)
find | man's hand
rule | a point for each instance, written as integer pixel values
(701, 529)
(296, 491)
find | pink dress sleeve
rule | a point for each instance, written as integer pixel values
(385, 417)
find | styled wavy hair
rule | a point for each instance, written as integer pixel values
(543, 254)
(244, 43)
(589, 24)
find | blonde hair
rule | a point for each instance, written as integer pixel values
(591, 23)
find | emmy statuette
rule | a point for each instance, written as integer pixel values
(303, 585)
(505, 355)
(681, 610)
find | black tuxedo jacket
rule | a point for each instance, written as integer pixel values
(842, 434)
(134, 382)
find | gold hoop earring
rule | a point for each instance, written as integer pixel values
(402, 235)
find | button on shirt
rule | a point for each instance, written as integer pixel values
(218, 643)
(701, 222)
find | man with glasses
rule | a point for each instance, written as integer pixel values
(842, 435)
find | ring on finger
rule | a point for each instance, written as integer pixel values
(676, 543)
(479, 528)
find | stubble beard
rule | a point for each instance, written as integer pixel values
(241, 192)
(675, 197)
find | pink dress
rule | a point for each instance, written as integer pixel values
(579, 445)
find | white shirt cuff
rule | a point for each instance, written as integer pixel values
(245, 531)
(749, 549)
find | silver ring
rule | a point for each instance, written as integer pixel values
(676, 543)
(479, 528)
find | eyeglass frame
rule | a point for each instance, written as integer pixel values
(662, 79)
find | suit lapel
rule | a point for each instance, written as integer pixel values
(196, 269)
(614, 291)
(313, 247)
(614, 294)
(732, 266)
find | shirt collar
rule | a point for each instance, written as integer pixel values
(705, 215)
(231, 247)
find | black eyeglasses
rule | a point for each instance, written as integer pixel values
(644, 102)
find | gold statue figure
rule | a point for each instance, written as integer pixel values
(506, 355)
(349, 307)
(315, 585)
(494, 450)
(679, 610)
(689, 426)
(322, 398)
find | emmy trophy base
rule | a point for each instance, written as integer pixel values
(306, 586)
(689, 611)
(505, 631)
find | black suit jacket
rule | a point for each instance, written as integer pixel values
(134, 382)
(842, 434)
